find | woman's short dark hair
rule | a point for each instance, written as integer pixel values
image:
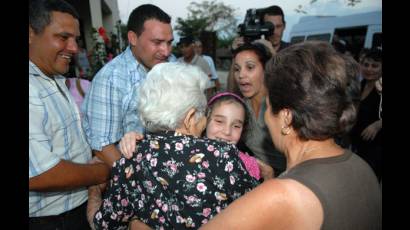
(259, 49)
(143, 13)
(318, 85)
(39, 15)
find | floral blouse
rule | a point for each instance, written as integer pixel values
(173, 181)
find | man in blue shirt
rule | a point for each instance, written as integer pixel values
(110, 108)
(58, 150)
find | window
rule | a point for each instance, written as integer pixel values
(320, 37)
(377, 40)
(297, 39)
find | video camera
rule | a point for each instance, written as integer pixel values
(254, 26)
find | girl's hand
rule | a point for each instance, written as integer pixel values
(128, 143)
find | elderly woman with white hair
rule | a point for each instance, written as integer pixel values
(175, 179)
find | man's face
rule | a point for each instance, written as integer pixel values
(279, 28)
(188, 50)
(53, 49)
(153, 46)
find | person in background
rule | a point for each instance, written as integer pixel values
(58, 150)
(313, 95)
(82, 62)
(249, 64)
(175, 179)
(275, 15)
(198, 50)
(110, 106)
(189, 57)
(367, 133)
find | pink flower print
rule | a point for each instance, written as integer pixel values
(180, 219)
(173, 167)
(218, 209)
(162, 219)
(113, 216)
(229, 167)
(158, 202)
(226, 155)
(190, 178)
(201, 187)
(232, 180)
(124, 202)
(216, 153)
(148, 156)
(201, 175)
(191, 199)
(167, 146)
(138, 168)
(122, 161)
(139, 157)
(211, 148)
(115, 178)
(179, 146)
(205, 164)
(153, 162)
(175, 207)
(98, 215)
(204, 221)
(140, 204)
(165, 208)
(206, 212)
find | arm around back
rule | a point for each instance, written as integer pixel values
(67, 175)
(275, 204)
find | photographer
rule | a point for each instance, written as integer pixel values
(273, 14)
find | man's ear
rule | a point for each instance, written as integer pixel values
(30, 34)
(189, 120)
(132, 38)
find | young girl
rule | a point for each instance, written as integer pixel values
(227, 119)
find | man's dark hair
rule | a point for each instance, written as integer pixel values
(374, 53)
(275, 11)
(143, 13)
(39, 13)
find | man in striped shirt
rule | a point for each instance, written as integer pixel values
(58, 150)
(110, 108)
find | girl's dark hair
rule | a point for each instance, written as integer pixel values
(318, 85)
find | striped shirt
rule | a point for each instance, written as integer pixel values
(55, 133)
(110, 106)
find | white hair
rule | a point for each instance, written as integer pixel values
(168, 93)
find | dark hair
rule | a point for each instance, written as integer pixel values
(374, 53)
(143, 13)
(229, 97)
(39, 12)
(259, 49)
(318, 85)
(275, 11)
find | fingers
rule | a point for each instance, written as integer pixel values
(128, 143)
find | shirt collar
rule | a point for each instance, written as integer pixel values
(35, 71)
(133, 62)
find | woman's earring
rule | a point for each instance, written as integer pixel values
(285, 130)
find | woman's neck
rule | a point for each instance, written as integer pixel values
(256, 102)
(301, 151)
